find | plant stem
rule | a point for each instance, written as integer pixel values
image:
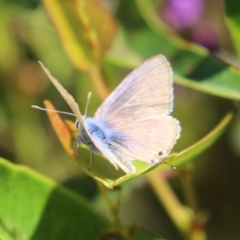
(181, 216)
(98, 81)
(113, 209)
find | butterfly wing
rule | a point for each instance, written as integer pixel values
(148, 140)
(139, 108)
(67, 97)
(145, 93)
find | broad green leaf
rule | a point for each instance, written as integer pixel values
(193, 66)
(34, 207)
(233, 21)
(77, 22)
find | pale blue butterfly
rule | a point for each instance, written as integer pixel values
(133, 123)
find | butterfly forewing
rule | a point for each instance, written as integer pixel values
(137, 112)
(67, 97)
(144, 93)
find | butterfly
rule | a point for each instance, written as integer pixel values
(133, 122)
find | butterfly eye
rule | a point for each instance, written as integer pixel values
(77, 124)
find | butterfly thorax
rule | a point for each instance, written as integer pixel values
(94, 128)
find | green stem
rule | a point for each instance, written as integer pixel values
(181, 216)
(113, 209)
(186, 177)
(98, 81)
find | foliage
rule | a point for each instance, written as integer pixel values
(90, 47)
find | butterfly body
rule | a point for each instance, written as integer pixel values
(133, 122)
(103, 139)
(97, 130)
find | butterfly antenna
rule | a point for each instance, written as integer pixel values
(48, 110)
(88, 100)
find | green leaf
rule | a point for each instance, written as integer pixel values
(9, 46)
(111, 178)
(193, 66)
(34, 207)
(120, 54)
(77, 22)
(233, 21)
(199, 147)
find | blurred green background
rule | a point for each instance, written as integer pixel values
(27, 35)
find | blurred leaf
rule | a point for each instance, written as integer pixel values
(72, 128)
(77, 22)
(8, 41)
(37, 22)
(189, 154)
(233, 21)
(60, 128)
(121, 54)
(194, 67)
(196, 149)
(34, 207)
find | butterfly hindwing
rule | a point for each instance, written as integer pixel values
(148, 140)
